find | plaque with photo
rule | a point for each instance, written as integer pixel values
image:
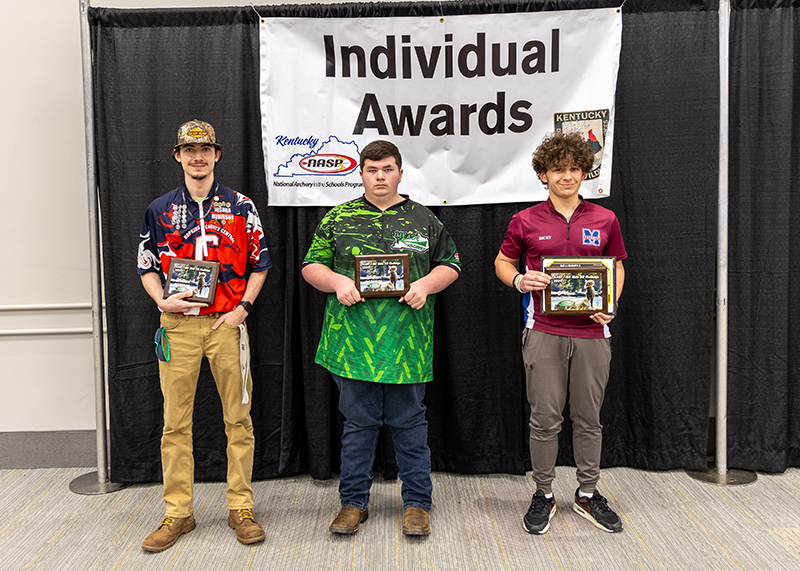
(197, 276)
(384, 275)
(579, 285)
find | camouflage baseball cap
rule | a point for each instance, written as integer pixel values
(196, 131)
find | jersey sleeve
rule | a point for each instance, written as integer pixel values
(513, 245)
(445, 252)
(615, 246)
(258, 254)
(147, 256)
(322, 249)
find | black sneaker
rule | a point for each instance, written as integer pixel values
(542, 510)
(596, 510)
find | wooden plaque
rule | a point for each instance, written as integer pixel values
(384, 275)
(579, 285)
(192, 275)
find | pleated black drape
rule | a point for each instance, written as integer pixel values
(764, 356)
(154, 69)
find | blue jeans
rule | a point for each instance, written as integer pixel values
(366, 406)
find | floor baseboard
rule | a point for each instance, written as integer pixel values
(57, 449)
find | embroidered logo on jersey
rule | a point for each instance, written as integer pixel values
(591, 237)
(414, 241)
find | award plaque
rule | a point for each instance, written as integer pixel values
(382, 275)
(579, 286)
(192, 275)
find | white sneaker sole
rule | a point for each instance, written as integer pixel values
(580, 511)
(552, 513)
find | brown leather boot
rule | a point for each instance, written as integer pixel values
(247, 528)
(167, 534)
(348, 519)
(416, 522)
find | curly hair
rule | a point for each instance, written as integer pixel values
(561, 150)
(378, 150)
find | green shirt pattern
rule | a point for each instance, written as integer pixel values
(380, 339)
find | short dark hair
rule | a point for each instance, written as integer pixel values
(377, 150)
(563, 149)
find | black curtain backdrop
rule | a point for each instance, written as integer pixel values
(764, 357)
(155, 69)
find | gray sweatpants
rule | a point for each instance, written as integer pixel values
(555, 367)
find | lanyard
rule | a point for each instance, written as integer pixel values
(162, 344)
(201, 249)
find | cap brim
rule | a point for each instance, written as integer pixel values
(216, 145)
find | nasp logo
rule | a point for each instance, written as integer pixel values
(591, 237)
(327, 164)
(331, 158)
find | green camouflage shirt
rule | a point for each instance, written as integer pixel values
(380, 339)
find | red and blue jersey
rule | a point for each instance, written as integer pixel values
(223, 228)
(543, 231)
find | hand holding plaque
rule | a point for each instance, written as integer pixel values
(581, 285)
(384, 275)
(197, 276)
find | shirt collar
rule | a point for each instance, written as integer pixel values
(578, 209)
(189, 199)
(398, 205)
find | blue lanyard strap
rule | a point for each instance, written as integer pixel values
(162, 344)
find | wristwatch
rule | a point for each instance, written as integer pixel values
(248, 307)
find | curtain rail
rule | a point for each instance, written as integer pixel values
(44, 307)
(48, 331)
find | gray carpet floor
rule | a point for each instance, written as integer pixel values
(672, 522)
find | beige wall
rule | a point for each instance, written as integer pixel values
(47, 380)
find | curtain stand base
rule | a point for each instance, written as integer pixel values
(89, 485)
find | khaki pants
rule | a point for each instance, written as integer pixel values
(554, 367)
(190, 339)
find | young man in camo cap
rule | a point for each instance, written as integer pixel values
(379, 350)
(203, 220)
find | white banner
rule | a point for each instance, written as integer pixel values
(465, 98)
